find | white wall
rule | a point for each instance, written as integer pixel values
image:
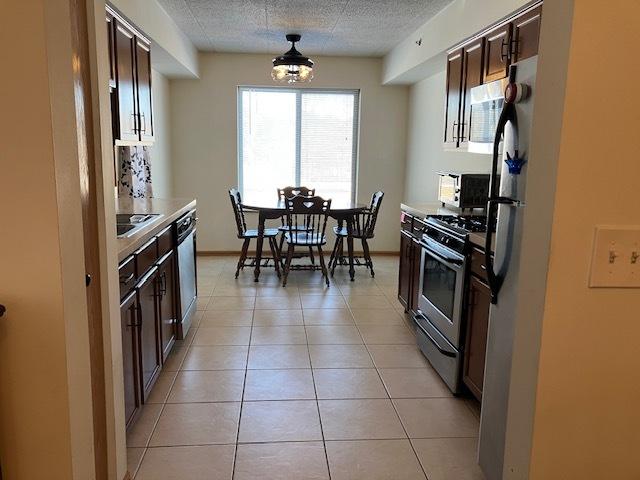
(425, 153)
(161, 150)
(204, 137)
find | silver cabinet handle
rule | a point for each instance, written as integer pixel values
(143, 120)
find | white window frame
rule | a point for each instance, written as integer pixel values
(299, 92)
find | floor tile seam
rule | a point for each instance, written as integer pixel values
(244, 385)
(315, 389)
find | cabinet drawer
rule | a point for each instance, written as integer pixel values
(165, 241)
(477, 264)
(406, 221)
(127, 276)
(146, 257)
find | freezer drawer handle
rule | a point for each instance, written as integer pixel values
(433, 340)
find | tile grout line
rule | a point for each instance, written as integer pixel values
(244, 385)
(315, 390)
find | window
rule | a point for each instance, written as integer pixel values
(290, 137)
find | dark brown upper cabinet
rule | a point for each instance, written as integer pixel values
(131, 104)
(526, 34)
(143, 64)
(453, 99)
(486, 57)
(496, 59)
(473, 56)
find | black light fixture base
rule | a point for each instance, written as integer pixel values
(293, 37)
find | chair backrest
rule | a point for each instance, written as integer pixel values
(238, 212)
(307, 216)
(288, 192)
(365, 222)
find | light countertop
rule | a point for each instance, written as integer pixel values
(170, 209)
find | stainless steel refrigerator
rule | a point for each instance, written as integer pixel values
(507, 195)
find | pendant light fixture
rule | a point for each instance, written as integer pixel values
(292, 67)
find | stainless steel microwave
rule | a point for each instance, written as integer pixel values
(486, 105)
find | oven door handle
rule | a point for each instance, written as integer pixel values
(452, 262)
(444, 352)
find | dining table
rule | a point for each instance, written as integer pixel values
(342, 211)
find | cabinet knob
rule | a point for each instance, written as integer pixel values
(2, 310)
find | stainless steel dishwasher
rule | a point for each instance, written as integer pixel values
(187, 291)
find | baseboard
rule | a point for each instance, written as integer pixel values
(222, 253)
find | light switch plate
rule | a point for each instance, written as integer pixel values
(615, 262)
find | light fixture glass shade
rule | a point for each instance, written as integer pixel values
(292, 67)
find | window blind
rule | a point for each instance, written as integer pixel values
(297, 137)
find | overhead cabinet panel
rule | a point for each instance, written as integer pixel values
(526, 35)
(143, 69)
(125, 46)
(497, 45)
(453, 99)
(473, 56)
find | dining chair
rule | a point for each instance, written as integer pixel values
(246, 235)
(307, 222)
(363, 228)
(283, 194)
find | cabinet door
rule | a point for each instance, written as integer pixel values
(125, 44)
(526, 34)
(130, 357)
(149, 331)
(416, 253)
(166, 303)
(476, 341)
(496, 58)
(472, 59)
(143, 75)
(453, 99)
(404, 280)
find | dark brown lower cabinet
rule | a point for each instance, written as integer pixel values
(166, 303)
(476, 338)
(130, 357)
(150, 356)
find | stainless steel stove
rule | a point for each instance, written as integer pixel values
(439, 319)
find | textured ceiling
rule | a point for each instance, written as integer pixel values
(328, 27)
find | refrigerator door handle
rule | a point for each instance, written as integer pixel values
(507, 115)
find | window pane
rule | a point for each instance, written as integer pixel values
(268, 139)
(327, 148)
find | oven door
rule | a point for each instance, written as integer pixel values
(442, 289)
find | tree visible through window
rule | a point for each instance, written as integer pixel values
(290, 137)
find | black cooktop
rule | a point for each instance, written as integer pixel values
(461, 223)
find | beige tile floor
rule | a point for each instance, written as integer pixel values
(302, 382)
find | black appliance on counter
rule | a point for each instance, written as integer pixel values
(443, 275)
(463, 190)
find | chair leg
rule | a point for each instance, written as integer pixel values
(274, 252)
(367, 256)
(336, 259)
(313, 260)
(333, 253)
(325, 272)
(287, 265)
(281, 244)
(243, 256)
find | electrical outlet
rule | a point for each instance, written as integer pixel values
(616, 257)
